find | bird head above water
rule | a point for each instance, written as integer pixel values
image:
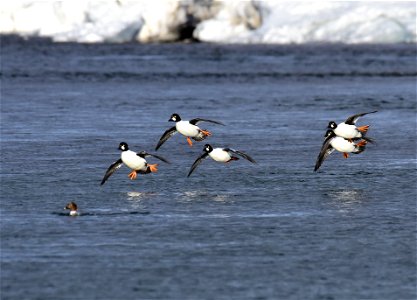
(329, 133)
(208, 148)
(72, 206)
(174, 118)
(332, 125)
(123, 146)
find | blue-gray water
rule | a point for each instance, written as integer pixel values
(274, 230)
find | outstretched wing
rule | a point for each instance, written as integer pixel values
(198, 120)
(197, 162)
(240, 153)
(325, 151)
(167, 134)
(113, 167)
(352, 119)
(144, 154)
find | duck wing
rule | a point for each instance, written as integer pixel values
(144, 154)
(325, 151)
(197, 162)
(352, 119)
(113, 167)
(240, 153)
(167, 134)
(199, 120)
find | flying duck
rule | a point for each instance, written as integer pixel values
(224, 155)
(348, 129)
(187, 128)
(135, 161)
(333, 142)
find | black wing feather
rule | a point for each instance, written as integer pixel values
(113, 167)
(325, 151)
(144, 154)
(352, 119)
(167, 134)
(197, 162)
(240, 153)
(199, 120)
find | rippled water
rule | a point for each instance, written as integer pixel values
(266, 231)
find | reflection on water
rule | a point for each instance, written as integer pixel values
(347, 200)
(189, 196)
(136, 198)
(194, 194)
(221, 198)
(140, 195)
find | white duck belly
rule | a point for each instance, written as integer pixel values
(342, 145)
(220, 155)
(347, 131)
(133, 161)
(187, 129)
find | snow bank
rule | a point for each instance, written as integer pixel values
(231, 21)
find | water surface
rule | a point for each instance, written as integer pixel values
(274, 230)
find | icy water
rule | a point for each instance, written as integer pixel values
(274, 230)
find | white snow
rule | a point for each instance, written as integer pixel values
(231, 21)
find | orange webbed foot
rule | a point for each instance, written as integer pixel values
(189, 142)
(361, 143)
(363, 129)
(153, 168)
(345, 155)
(132, 175)
(232, 159)
(205, 132)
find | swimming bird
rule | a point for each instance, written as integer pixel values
(189, 129)
(135, 161)
(333, 142)
(72, 206)
(348, 129)
(224, 155)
